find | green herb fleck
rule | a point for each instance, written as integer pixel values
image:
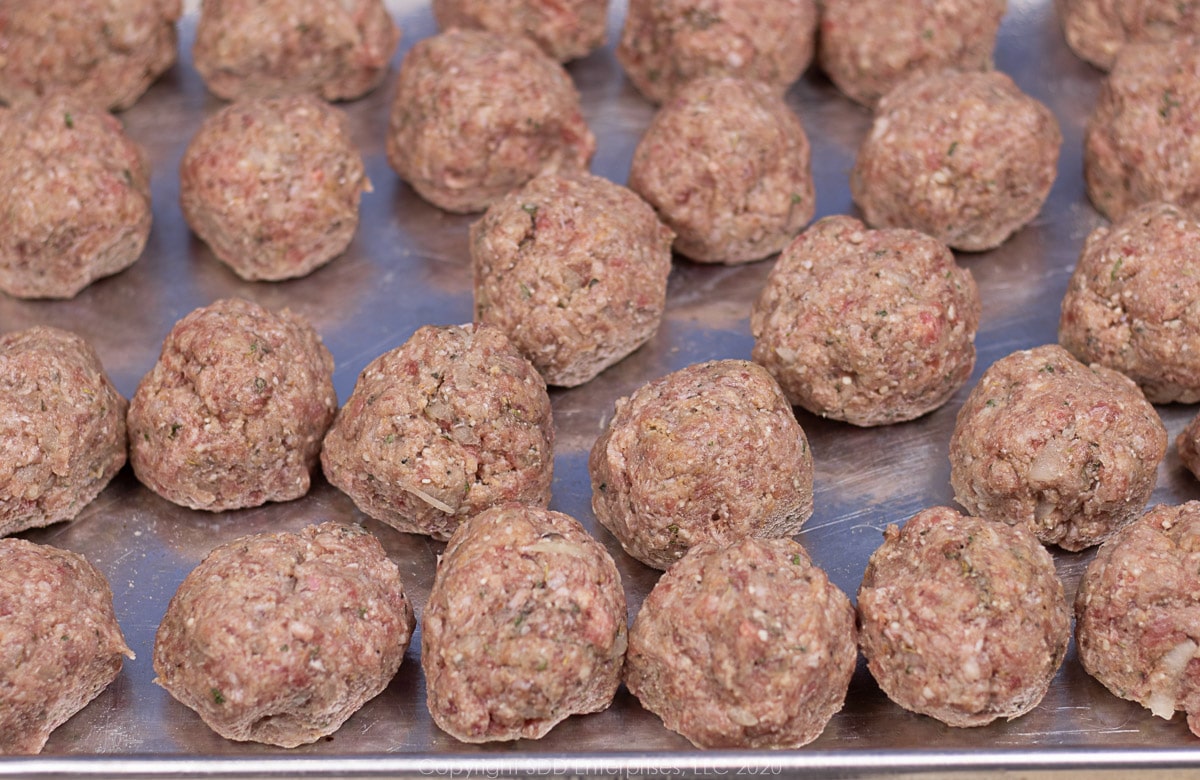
(1112, 277)
(65, 638)
(260, 384)
(218, 697)
(881, 313)
(603, 487)
(796, 198)
(927, 34)
(1047, 369)
(950, 151)
(674, 529)
(391, 437)
(529, 208)
(526, 293)
(362, 613)
(592, 283)
(69, 121)
(520, 619)
(174, 430)
(796, 559)
(146, 435)
(542, 665)
(991, 402)
(1169, 103)
(128, 176)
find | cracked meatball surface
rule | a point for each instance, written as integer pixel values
(280, 637)
(510, 113)
(62, 428)
(726, 164)
(1141, 144)
(100, 52)
(74, 198)
(335, 49)
(709, 453)
(233, 412)
(966, 157)
(272, 185)
(564, 29)
(574, 270)
(1136, 613)
(60, 645)
(962, 619)
(1068, 450)
(1133, 302)
(869, 46)
(444, 426)
(745, 646)
(525, 626)
(867, 326)
(667, 43)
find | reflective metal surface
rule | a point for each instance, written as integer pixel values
(409, 266)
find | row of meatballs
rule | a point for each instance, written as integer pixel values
(279, 638)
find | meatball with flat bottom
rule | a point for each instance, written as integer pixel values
(62, 428)
(1136, 613)
(60, 645)
(962, 619)
(1067, 450)
(280, 637)
(525, 626)
(745, 646)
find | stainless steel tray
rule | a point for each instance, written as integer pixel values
(409, 266)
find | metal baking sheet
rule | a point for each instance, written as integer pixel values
(408, 267)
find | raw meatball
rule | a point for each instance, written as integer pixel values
(525, 626)
(867, 326)
(74, 198)
(746, 646)
(62, 428)
(962, 619)
(508, 114)
(965, 157)
(667, 43)
(441, 428)
(1133, 302)
(710, 453)
(233, 412)
(60, 644)
(280, 637)
(1135, 613)
(1141, 143)
(336, 49)
(564, 29)
(1096, 30)
(272, 185)
(869, 46)
(103, 53)
(574, 270)
(726, 164)
(1070, 451)
(1188, 445)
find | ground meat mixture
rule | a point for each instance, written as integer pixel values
(667, 43)
(272, 185)
(62, 428)
(441, 428)
(525, 626)
(102, 53)
(962, 619)
(564, 29)
(1142, 142)
(280, 637)
(869, 46)
(509, 114)
(574, 269)
(335, 49)
(1070, 451)
(74, 198)
(233, 412)
(867, 326)
(745, 646)
(1135, 613)
(1096, 30)
(1131, 303)
(726, 163)
(60, 644)
(1187, 443)
(709, 453)
(965, 157)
